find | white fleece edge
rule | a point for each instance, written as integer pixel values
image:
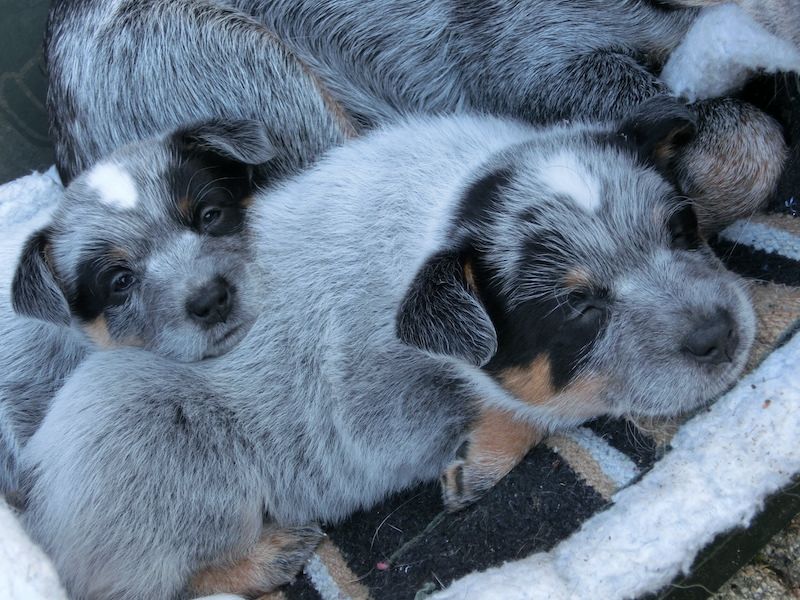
(723, 47)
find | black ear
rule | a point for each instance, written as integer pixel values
(34, 290)
(442, 314)
(658, 128)
(243, 141)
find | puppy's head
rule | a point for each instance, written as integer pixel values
(578, 277)
(150, 247)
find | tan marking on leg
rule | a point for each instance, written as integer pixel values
(274, 560)
(340, 571)
(496, 444)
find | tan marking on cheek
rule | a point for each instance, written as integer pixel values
(577, 279)
(583, 397)
(532, 383)
(184, 207)
(247, 201)
(97, 331)
(469, 275)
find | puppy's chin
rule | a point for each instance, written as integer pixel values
(229, 338)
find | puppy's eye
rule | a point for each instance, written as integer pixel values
(209, 216)
(586, 308)
(122, 281)
(684, 234)
(219, 220)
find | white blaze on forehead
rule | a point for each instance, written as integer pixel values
(114, 186)
(563, 174)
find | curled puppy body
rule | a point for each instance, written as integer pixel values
(421, 278)
(542, 61)
(125, 70)
(146, 249)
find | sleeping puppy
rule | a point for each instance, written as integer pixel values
(441, 294)
(145, 249)
(542, 61)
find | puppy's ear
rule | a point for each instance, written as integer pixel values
(442, 314)
(34, 291)
(657, 129)
(241, 141)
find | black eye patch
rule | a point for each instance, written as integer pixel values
(683, 230)
(101, 282)
(210, 193)
(563, 328)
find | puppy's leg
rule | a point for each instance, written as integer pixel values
(495, 445)
(732, 166)
(276, 559)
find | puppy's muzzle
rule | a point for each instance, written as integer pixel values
(212, 303)
(713, 341)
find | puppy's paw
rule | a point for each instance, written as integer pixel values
(293, 547)
(463, 482)
(276, 559)
(495, 445)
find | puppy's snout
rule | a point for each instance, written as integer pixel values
(713, 340)
(211, 303)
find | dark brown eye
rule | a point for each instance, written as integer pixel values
(122, 281)
(586, 307)
(210, 215)
(216, 220)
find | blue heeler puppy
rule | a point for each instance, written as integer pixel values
(148, 251)
(439, 295)
(122, 69)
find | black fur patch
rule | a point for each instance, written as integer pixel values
(200, 181)
(481, 197)
(93, 289)
(562, 329)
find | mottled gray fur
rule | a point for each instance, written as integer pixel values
(146, 470)
(121, 70)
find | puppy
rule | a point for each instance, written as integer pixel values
(542, 61)
(441, 294)
(146, 249)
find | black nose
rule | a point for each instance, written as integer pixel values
(713, 340)
(212, 303)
